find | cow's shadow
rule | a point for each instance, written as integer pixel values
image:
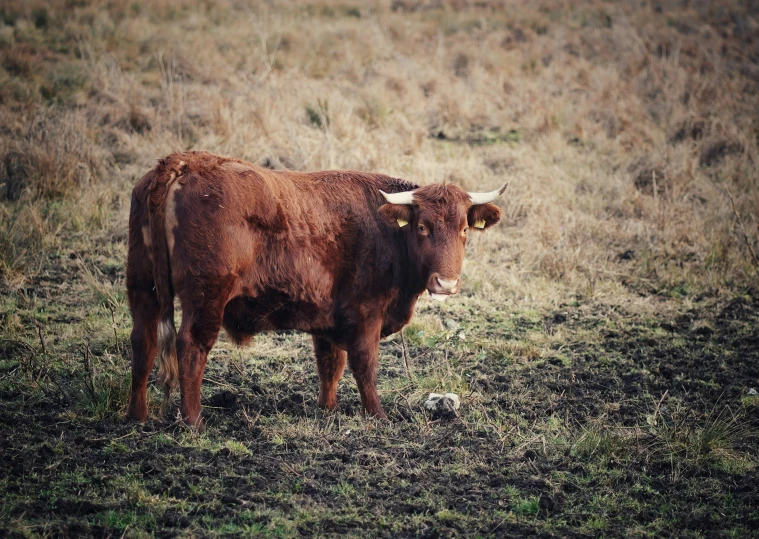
(249, 402)
(295, 403)
(224, 405)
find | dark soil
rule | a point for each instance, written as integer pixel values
(517, 460)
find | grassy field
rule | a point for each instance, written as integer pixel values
(606, 342)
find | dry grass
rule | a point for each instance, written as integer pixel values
(621, 272)
(619, 128)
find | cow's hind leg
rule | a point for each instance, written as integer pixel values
(197, 335)
(330, 364)
(144, 306)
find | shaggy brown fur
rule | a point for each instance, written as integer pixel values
(252, 250)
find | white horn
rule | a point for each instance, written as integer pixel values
(484, 198)
(406, 197)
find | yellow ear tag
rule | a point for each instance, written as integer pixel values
(479, 224)
(402, 222)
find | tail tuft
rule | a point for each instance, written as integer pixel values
(168, 369)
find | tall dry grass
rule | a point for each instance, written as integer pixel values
(621, 128)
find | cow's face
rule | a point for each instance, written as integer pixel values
(436, 220)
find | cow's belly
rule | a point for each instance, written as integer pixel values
(246, 315)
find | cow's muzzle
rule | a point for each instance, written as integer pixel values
(440, 288)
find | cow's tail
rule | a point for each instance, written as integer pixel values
(168, 368)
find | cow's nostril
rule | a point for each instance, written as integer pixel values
(448, 285)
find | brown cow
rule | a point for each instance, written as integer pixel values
(340, 255)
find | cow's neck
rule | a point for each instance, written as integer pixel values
(408, 279)
(407, 286)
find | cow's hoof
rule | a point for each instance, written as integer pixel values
(197, 425)
(376, 414)
(328, 406)
(137, 413)
(137, 418)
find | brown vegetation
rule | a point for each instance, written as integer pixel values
(584, 108)
(605, 340)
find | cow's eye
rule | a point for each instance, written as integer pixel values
(463, 232)
(422, 229)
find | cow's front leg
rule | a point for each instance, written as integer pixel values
(363, 358)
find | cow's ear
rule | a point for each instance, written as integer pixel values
(482, 216)
(396, 215)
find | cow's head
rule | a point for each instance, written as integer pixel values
(436, 220)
